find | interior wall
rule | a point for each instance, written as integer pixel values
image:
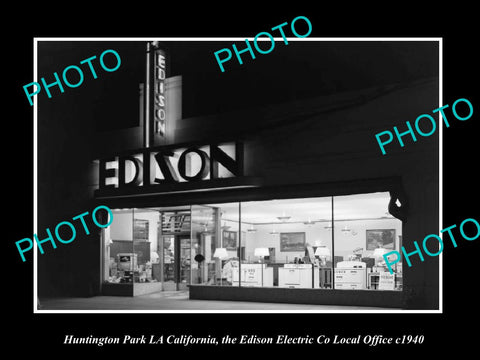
(315, 235)
(344, 244)
(121, 227)
(263, 238)
(153, 217)
(234, 226)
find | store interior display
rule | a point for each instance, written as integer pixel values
(125, 269)
(300, 232)
(321, 243)
(132, 255)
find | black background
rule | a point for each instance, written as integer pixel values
(455, 328)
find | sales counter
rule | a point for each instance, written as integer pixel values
(282, 275)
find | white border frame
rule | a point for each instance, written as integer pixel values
(337, 39)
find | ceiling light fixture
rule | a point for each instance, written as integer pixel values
(309, 222)
(284, 217)
(225, 226)
(345, 230)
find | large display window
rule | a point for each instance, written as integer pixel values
(318, 243)
(131, 250)
(119, 257)
(287, 243)
(363, 232)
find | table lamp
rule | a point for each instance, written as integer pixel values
(220, 253)
(261, 252)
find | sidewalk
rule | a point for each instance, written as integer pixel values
(177, 301)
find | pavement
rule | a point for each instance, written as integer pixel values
(178, 301)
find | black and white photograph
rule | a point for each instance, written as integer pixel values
(273, 174)
(189, 163)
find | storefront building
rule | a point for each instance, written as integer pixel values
(286, 202)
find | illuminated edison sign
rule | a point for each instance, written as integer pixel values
(160, 114)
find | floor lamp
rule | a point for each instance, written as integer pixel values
(261, 252)
(220, 253)
(323, 252)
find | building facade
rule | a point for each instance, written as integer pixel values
(285, 200)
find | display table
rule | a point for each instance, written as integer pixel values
(299, 276)
(251, 275)
(351, 275)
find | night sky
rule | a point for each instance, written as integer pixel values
(290, 72)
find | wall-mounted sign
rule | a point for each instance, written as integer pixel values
(387, 281)
(159, 113)
(167, 166)
(155, 98)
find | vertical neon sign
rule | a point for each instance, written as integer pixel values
(160, 114)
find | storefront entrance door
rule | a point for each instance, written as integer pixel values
(176, 262)
(185, 237)
(183, 262)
